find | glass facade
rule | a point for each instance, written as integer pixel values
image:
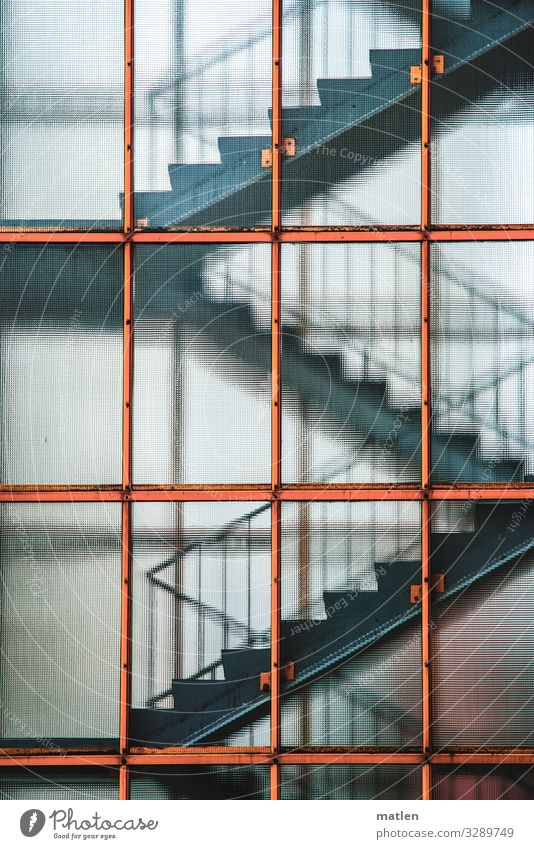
(267, 439)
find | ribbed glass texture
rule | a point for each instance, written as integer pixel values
(200, 782)
(351, 363)
(202, 366)
(201, 620)
(203, 95)
(60, 364)
(483, 113)
(482, 362)
(55, 783)
(470, 783)
(483, 636)
(347, 622)
(351, 782)
(62, 114)
(353, 112)
(60, 638)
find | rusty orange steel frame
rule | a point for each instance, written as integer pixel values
(274, 492)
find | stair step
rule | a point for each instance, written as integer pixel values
(465, 440)
(235, 148)
(378, 389)
(385, 63)
(328, 365)
(191, 696)
(333, 91)
(295, 118)
(294, 627)
(391, 597)
(185, 177)
(232, 312)
(241, 664)
(150, 204)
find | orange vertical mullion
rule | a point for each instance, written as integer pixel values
(425, 392)
(128, 226)
(425, 645)
(125, 654)
(277, 115)
(275, 645)
(276, 221)
(128, 114)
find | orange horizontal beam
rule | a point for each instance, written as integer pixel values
(492, 234)
(219, 755)
(7, 760)
(351, 235)
(193, 236)
(503, 757)
(340, 234)
(469, 492)
(187, 757)
(60, 495)
(89, 236)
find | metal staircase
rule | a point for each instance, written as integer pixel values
(359, 409)
(207, 710)
(236, 192)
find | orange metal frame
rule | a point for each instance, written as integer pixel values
(274, 492)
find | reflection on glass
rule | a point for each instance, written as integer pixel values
(61, 365)
(351, 363)
(62, 114)
(56, 783)
(60, 639)
(351, 782)
(201, 622)
(355, 115)
(483, 113)
(202, 385)
(483, 641)
(482, 362)
(348, 625)
(203, 94)
(482, 782)
(200, 782)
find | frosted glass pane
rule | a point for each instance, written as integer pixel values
(483, 114)
(351, 363)
(482, 361)
(202, 386)
(203, 94)
(60, 640)
(61, 365)
(62, 113)
(350, 106)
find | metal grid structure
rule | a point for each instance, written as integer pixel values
(426, 493)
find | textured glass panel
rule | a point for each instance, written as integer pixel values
(60, 610)
(200, 782)
(346, 576)
(202, 384)
(201, 620)
(54, 783)
(483, 641)
(62, 113)
(60, 364)
(483, 113)
(351, 363)
(351, 782)
(203, 94)
(350, 106)
(482, 362)
(483, 782)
